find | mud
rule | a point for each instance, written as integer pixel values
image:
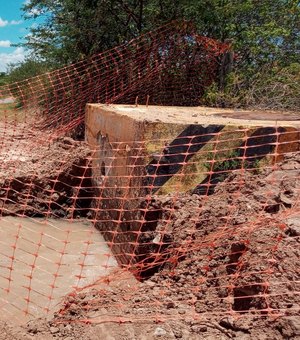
(43, 260)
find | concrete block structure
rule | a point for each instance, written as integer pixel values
(140, 151)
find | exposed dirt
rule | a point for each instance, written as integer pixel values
(43, 175)
(226, 266)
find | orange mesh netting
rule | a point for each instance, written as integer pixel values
(169, 66)
(195, 224)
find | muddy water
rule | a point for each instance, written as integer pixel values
(43, 260)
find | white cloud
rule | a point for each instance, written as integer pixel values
(16, 22)
(6, 58)
(4, 23)
(5, 43)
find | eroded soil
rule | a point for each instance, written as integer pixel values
(42, 174)
(217, 267)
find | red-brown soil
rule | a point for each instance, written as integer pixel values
(217, 267)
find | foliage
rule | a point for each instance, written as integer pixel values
(3, 78)
(27, 69)
(265, 38)
(261, 30)
(276, 88)
(75, 29)
(221, 164)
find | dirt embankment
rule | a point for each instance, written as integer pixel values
(43, 175)
(229, 269)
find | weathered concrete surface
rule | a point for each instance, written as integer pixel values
(142, 150)
(199, 115)
(43, 260)
(123, 132)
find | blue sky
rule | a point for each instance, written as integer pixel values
(12, 29)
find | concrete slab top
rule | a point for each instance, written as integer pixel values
(201, 115)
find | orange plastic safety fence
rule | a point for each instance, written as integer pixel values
(193, 225)
(169, 66)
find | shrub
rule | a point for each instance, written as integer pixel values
(273, 88)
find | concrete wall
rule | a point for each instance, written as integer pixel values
(140, 151)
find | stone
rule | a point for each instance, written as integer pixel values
(55, 196)
(227, 322)
(294, 226)
(54, 330)
(285, 199)
(158, 332)
(177, 333)
(170, 304)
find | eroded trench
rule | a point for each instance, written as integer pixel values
(49, 246)
(66, 195)
(71, 195)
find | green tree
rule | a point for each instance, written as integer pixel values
(75, 29)
(3, 78)
(26, 69)
(265, 34)
(261, 30)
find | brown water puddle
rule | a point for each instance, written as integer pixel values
(43, 260)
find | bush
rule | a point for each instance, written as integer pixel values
(3, 78)
(25, 70)
(273, 88)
